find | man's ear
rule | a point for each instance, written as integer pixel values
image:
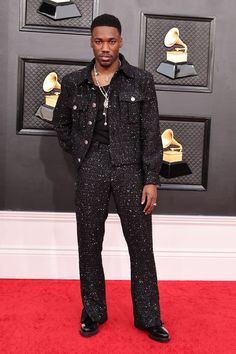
(121, 42)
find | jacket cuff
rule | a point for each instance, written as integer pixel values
(151, 178)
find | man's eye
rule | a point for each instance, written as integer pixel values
(112, 42)
(98, 42)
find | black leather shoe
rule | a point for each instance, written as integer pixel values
(159, 333)
(88, 327)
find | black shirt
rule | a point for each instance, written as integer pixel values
(101, 131)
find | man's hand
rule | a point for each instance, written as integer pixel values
(150, 195)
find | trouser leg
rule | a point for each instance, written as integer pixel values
(92, 200)
(137, 228)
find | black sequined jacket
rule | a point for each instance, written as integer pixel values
(133, 118)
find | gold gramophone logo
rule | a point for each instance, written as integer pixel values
(52, 89)
(179, 54)
(176, 65)
(173, 164)
(172, 149)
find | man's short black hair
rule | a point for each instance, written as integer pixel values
(106, 20)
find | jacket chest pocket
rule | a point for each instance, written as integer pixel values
(79, 108)
(130, 106)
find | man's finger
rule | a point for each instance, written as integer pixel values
(144, 194)
(148, 204)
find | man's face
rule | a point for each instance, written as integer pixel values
(106, 43)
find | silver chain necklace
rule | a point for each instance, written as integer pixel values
(104, 93)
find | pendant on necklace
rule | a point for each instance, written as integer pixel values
(105, 103)
(105, 115)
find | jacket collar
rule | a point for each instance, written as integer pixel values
(85, 74)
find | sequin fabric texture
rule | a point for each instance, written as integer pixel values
(133, 118)
(96, 180)
(132, 159)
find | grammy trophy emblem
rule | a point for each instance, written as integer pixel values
(59, 9)
(173, 164)
(176, 65)
(52, 88)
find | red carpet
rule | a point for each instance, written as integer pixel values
(42, 317)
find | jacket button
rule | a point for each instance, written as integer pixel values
(75, 107)
(94, 104)
(90, 122)
(79, 159)
(86, 142)
(132, 98)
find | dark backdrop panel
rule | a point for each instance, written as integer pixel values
(197, 32)
(31, 75)
(37, 175)
(3, 80)
(193, 134)
(34, 18)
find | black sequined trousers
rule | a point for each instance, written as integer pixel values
(96, 180)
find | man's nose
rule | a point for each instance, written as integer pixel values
(105, 47)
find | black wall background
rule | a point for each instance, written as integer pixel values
(36, 175)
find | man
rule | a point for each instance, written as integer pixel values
(107, 118)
